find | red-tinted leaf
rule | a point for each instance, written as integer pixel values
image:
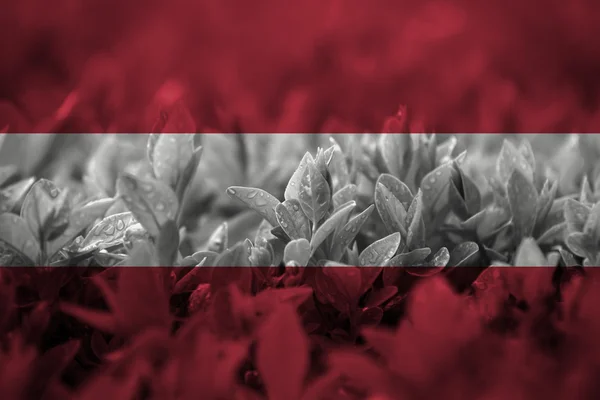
(282, 355)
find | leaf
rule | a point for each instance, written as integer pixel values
(80, 219)
(258, 200)
(15, 233)
(416, 226)
(187, 175)
(152, 202)
(392, 212)
(179, 119)
(576, 214)
(342, 286)
(11, 195)
(592, 225)
(529, 255)
(381, 251)
(237, 256)
(330, 225)
(101, 320)
(219, 239)
(463, 254)
(40, 205)
(398, 188)
(471, 193)
(393, 149)
(150, 145)
(344, 195)
(298, 250)
(167, 244)
(108, 232)
(522, 197)
(348, 233)
(142, 298)
(338, 167)
(414, 258)
(282, 355)
(435, 186)
(314, 194)
(509, 160)
(293, 187)
(380, 296)
(292, 220)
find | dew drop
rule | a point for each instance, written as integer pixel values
(260, 202)
(120, 225)
(160, 207)
(262, 194)
(231, 191)
(426, 187)
(439, 173)
(252, 194)
(296, 207)
(432, 180)
(110, 230)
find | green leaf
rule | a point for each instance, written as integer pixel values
(293, 187)
(167, 245)
(171, 155)
(108, 232)
(576, 214)
(522, 196)
(348, 233)
(292, 220)
(16, 236)
(416, 226)
(314, 194)
(298, 251)
(258, 200)
(381, 251)
(333, 223)
(344, 195)
(152, 202)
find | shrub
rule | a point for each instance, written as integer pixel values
(379, 268)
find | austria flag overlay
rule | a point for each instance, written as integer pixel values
(317, 200)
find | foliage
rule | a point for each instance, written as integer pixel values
(380, 264)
